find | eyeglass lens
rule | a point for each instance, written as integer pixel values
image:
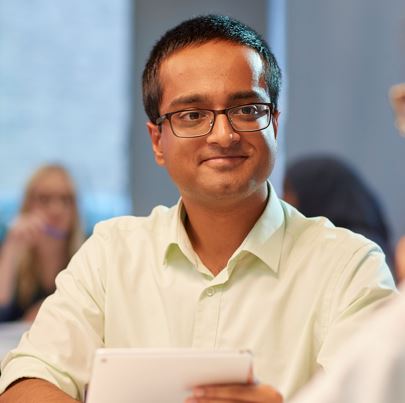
(199, 122)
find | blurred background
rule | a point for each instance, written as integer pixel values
(70, 93)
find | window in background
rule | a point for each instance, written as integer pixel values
(64, 96)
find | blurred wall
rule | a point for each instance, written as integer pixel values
(342, 58)
(64, 97)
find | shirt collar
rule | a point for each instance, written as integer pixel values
(177, 238)
(264, 240)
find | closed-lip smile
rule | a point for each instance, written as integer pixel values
(223, 156)
(217, 160)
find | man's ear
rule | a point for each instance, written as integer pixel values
(276, 115)
(156, 137)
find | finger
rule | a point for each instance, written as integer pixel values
(193, 400)
(32, 229)
(238, 392)
(26, 227)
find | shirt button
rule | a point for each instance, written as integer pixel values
(210, 291)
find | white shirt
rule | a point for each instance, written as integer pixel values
(291, 293)
(371, 367)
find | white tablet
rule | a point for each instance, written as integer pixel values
(162, 375)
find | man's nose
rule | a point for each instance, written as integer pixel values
(222, 132)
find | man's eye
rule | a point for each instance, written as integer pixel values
(192, 115)
(248, 110)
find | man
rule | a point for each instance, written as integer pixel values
(230, 266)
(372, 368)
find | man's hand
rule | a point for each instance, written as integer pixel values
(254, 393)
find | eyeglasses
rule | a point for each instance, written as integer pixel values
(189, 123)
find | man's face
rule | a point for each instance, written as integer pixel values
(224, 164)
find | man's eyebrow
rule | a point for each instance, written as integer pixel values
(187, 100)
(255, 95)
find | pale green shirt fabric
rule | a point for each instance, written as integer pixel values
(291, 293)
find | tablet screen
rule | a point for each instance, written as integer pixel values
(162, 375)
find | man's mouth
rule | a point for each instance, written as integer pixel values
(224, 160)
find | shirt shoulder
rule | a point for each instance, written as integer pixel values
(319, 233)
(161, 217)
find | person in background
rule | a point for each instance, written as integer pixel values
(371, 366)
(400, 259)
(230, 266)
(397, 97)
(39, 243)
(325, 185)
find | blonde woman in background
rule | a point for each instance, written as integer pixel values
(39, 244)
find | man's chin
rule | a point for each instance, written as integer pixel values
(225, 189)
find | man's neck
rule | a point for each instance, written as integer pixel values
(216, 232)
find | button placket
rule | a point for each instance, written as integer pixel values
(206, 318)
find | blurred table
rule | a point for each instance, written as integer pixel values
(10, 334)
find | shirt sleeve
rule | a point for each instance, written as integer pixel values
(362, 286)
(60, 345)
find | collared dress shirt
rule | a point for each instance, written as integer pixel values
(291, 293)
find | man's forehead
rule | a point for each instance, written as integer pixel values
(210, 46)
(254, 95)
(191, 69)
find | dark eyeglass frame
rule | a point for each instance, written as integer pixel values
(168, 116)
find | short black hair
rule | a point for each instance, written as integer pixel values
(197, 31)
